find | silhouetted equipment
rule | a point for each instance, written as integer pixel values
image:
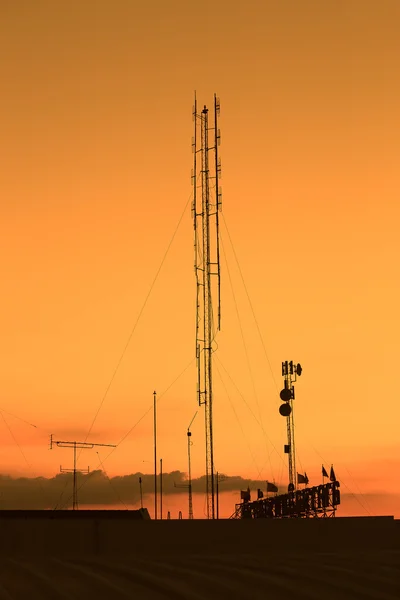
(285, 395)
(180, 515)
(315, 502)
(289, 372)
(245, 495)
(189, 485)
(299, 369)
(75, 446)
(285, 410)
(271, 487)
(168, 515)
(74, 485)
(207, 265)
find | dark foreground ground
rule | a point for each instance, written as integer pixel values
(107, 558)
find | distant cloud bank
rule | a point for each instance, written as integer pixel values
(97, 488)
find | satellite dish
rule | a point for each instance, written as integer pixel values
(285, 410)
(299, 369)
(285, 394)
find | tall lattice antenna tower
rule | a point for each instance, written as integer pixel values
(206, 206)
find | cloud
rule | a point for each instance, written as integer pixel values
(96, 488)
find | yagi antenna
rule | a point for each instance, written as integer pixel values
(75, 445)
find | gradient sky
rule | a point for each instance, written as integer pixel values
(96, 101)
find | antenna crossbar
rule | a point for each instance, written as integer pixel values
(75, 446)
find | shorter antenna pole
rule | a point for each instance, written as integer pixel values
(161, 489)
(189, 486)
(217, 496)
(74, 499)
(190, 479)
(189, 434)
(155, 455)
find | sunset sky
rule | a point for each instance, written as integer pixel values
(96, 127)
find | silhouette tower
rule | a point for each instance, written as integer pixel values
(289, 373)
(206, 206)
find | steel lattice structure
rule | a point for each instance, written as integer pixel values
(206, 206)
(315, 502)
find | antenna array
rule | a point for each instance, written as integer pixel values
(75, 446)
(289, 373)
(206, 206)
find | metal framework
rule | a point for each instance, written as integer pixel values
(206, 206)
(315, 502)
(289, 373)
(75, 446)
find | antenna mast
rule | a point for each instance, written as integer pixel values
(75, 446)
(155, 452)
(207, 263)
(189, 434)
(289, 373)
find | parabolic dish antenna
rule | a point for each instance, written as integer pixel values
(285, 394)
(285, 410)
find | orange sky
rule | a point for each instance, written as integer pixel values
(96, 156)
